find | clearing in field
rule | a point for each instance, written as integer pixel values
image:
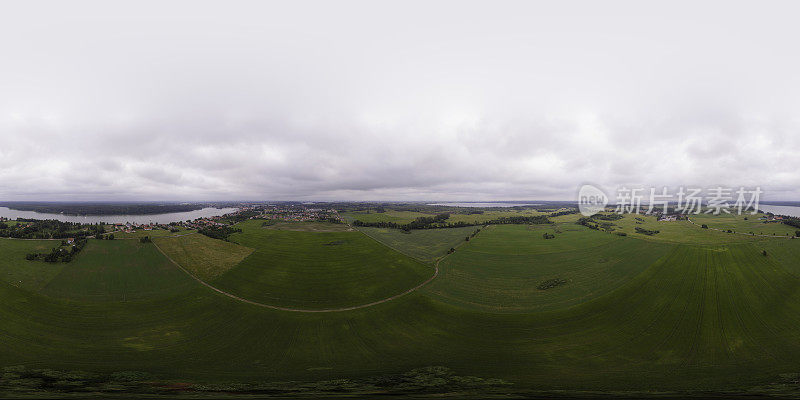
(318, 270)
(202, 256)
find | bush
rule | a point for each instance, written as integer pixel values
(647, 232)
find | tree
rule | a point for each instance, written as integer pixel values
(764, 253)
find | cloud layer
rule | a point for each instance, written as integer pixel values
(403, 101)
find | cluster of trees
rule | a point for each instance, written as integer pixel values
(647, 232)
(219, 231)
(611, 217)
(59, 253)
(548, 236)
(551, 283)
(791, 221)
(438, 221)
(564, 212)
(48, 229)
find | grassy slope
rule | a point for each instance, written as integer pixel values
(204, 257)
(318, 270)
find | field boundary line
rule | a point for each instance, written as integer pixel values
(301, 310)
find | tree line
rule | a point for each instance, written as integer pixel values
(438, 221)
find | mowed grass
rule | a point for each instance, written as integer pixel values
(117, 270)
(501, 269)
(318, 270)
(204, 257)
(425, 244)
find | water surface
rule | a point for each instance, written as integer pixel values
(119, 219)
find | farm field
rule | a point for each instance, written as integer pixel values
(584, 310)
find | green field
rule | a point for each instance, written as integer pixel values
(503, 266)
(317, 270)
(685, 310)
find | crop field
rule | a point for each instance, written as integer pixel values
(535, 307)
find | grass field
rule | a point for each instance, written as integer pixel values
(636, 313)
(204, 257)
(318, 270)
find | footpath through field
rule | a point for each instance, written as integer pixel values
(255, 303)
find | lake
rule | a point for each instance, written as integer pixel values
(119, 219)
(791, 211)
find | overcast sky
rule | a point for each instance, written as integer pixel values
(403, 100)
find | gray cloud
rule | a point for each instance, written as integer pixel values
(364, 100)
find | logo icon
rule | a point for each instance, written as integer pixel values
(591, 200)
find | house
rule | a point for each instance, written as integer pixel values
(70, 240)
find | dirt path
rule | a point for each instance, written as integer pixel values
(255, 303)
